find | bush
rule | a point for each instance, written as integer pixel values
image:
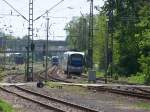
(138, 78)
(145, 68)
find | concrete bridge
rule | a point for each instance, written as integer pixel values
(38, 43)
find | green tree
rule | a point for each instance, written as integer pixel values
(77, 33)
(144, 37)
(131, 32)
(99, 40)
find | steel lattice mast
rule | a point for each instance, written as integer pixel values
(30, 43)
(90, 46)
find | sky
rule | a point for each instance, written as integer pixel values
(59, 16)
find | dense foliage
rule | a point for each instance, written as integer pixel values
(131, 36)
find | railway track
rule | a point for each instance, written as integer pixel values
(136, 92)
(133, 92)
(52, 75)
(41, 73)
(143, 90)
(46, 101)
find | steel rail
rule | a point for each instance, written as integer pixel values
(143, 90)
(52, 78)
(32, 100)
(58, 79)
(43, 71)
(58, 100)
(125, 92)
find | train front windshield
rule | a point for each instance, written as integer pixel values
(77, 60)
(55, 59)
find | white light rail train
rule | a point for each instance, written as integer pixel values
(73, 62)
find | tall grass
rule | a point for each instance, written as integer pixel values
(5, 107)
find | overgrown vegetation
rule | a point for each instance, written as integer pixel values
(143, 105)
(131, 37)
(70, 88)
(5, 107)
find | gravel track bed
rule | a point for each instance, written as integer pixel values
(102, 101)
(22, 105)
(58, 74)
(63, 95)
(45, 101)
(74, 78)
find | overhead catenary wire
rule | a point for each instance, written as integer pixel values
(8, 15)
(57, 17)
(48, 10)
(16, 10)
